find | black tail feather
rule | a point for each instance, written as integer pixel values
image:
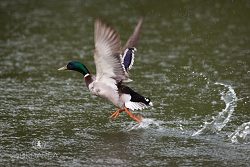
(135, 97)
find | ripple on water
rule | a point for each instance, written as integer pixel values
(242, 134)
(146, 123)
(224, 116)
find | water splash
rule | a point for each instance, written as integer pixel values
(223, 117)
(145, 124)
(242, 134)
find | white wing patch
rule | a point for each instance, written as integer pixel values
(135, 105)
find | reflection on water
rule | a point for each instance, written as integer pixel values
(50, 118)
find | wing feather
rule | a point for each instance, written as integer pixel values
(131, 44)
(107, 53)
(133, 39)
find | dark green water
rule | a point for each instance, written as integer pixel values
(49, 118)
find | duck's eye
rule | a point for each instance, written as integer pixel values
(69, 66)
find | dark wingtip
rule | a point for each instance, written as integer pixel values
(134, 38)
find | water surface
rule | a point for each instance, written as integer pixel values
(192, 61)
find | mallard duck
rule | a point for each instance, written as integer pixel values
(112, 70)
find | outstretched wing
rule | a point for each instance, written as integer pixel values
(107, 53)
(129, 49)
(133, 39)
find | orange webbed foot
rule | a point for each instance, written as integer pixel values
(116, 114)
(137, 118)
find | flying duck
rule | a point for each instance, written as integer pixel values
(113, 63)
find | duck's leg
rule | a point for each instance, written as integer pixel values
(134, 117)
(117, 113)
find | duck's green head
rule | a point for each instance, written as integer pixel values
(76, 66)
